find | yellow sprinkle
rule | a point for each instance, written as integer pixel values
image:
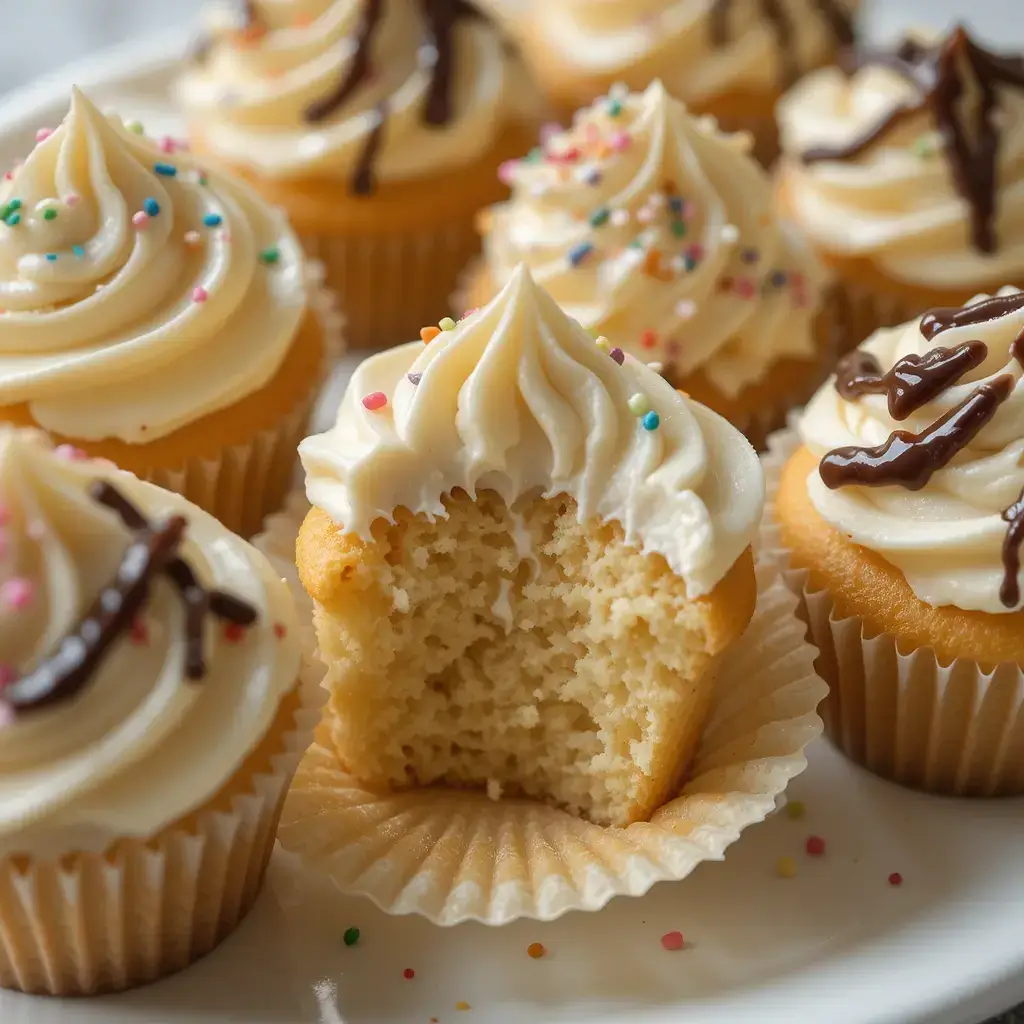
(786, 867)
(428, 334)
(447, 324)
(462, 1005)
(603, 344)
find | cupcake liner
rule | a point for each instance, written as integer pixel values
(454, 856)
(952, 729)
(103, 922)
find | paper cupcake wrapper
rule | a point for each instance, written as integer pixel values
(93, 923)
(454, 856)
(951, 729)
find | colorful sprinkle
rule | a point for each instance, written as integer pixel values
(777, 278)
(408, 974)
(620, 217)
(672, 941)
(193, 238)
(507, 172)
(43, 134)
(7, 674)
(414, 378)
(895, 879)
(796, 809)
(17, 593)
(535, 950)
(925, 147)
(578, 253)
(745, 287)
(428, 334)
(135, 127)
(13, 204)
(815, 846)
(70, 453)
(593, 177)
(785, 867)
(679, 229)
(167, 144)
(617, 355)
(447, 324)
(750, 255)
(614, 108)
(599, 216)
(233, 632)
(639, 404)
(151, 207)
(51, 257)
(12, 220)
(375, 400)
(462, 1005)
(648, 339)
(139, 634)
(280, 630)
(351, 936)
(140, 220)
(620, 142)
(167, 170)
(651, 421)
(270, 255)
(199, 294)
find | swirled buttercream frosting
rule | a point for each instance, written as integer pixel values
(921, 442)
(140, 292)
(144, 651)
(654, 229)
(517, 398)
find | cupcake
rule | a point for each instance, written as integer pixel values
(377, 126)
(155, 314)
(656, 231)
(913, 198)
(527, 557)
(720, 57)
(150, 723)
(902, 512)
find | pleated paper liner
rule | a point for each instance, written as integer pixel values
(952, 729)
(455, 856)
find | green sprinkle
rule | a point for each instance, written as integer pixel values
(614, 108)
(679, 228)
(599, 216)
(351, 936)
(636, 244)
(924, 146)
(535, 155)
(795, 810)
(52, 257)
(270, 255)
(447, 324)
(639, 404)
(15, 204)
(202, 179)
(135, 127)
(49, 213)
(12, 220)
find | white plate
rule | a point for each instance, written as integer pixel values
(834, 945)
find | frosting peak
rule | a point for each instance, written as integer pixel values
(651, 227)
(517, 398)
(123, 266)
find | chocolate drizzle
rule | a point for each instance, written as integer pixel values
(437, 54)
(153, 551)
(909, 460)
(839, 22)
(970, 143)
(1009, 592)
(913, 381)
(945, 318)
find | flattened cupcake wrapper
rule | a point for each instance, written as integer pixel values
(951, 729)
(106, 922)
(455, 856)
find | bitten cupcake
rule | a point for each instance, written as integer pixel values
(156, 314)
(904, 513)
(657, 233)
(722, 58)
(527, 558)
(907, 175)
(148, 671)
(378, 126)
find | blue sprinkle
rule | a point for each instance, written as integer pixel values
(651, 421)
(213, 220)
(778, 278)
(78, 251)
(167, 170)
(52, 257)
(578, 253)
(675, 204)
(13, 220)
(151, 206)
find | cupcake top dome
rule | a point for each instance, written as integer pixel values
(124, 266)
(653, 228)
(914, 161)
(144, 651)
(361, 90)
(518, 399)
(920, 438)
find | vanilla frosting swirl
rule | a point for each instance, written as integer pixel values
(636, 41)
(519, 400)
(946, 538)
(118, 323)
(140, 745)
(896, 203)
(249, 95)
(652, 228)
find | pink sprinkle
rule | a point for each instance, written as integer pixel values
(72, 199)
(469, 313)
(140, 220)
(745, 288)
(43, 134)
(507, 172)
(69, 452)
(199, 294)
(375, 400)
(167, 144)
(621, 141)
(695, 251)
(8, 175)
(672, 941)
(7, 675)
(549, 131)
(17, 593)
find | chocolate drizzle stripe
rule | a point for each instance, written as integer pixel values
(153, 551)
(1009, 592)
(945, 318)
(909, 460)
(362, 178)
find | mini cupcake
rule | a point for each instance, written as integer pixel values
(720, 57)
(656, 232)
(157, 315)
(151, 723)
(378, 127)
(903, 512)
(912, 196)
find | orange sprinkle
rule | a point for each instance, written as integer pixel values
(685, 394)
(652, 262)
(462, 1005)
(536, 950)
(428, 334)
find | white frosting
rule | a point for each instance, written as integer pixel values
(684, 249)
(947, 538)
(519, 399)
(896, 204)
(139, 746)
(108, 339)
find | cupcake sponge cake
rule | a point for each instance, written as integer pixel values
(526, 556)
